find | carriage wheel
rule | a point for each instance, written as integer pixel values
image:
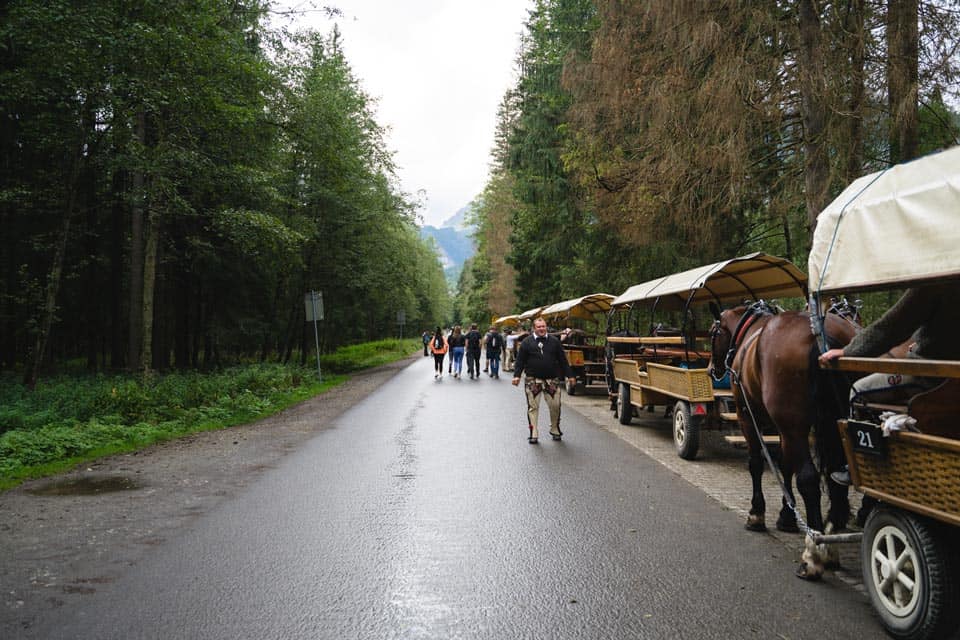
(624, 408)
(909, 575)
(686, 431)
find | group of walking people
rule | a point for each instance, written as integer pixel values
(469, 346)
(540, 362)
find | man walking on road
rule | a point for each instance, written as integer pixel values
(541, 356)
(474, 339)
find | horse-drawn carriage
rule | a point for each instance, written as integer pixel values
(891, 230)
(581, 319)
(658, 345)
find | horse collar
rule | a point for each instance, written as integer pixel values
(749, 317)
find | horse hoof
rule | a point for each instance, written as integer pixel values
(788, 527)
(755, 526)
(804, 572)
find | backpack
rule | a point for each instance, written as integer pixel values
(494, 343)
(438, 342)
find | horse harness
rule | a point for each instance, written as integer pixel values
(754, 312)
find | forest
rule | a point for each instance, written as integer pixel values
(175, 176)
(644, 138)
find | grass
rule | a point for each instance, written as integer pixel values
(69, 420)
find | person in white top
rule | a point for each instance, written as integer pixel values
(508, 357)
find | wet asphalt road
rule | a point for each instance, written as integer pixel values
(425, 514)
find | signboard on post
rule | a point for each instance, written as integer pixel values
(313, 306)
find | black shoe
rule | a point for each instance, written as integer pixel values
(841, 477)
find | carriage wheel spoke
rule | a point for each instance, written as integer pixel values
(905, 580)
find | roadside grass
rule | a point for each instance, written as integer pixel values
(71, 419)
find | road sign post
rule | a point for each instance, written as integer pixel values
(313, 306)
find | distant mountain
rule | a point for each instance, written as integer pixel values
(454, 244)
(458, 220)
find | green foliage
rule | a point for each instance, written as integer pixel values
(70, 418)
(255, 158)
(368, 354)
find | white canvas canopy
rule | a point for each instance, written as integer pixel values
(891, 229)
(754, 276)
(530, 314)
(584, 307)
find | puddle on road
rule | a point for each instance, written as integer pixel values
(85, 486)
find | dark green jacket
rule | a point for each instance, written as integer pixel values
(930, 314)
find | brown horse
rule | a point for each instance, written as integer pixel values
(776, 381)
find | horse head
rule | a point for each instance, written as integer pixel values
(721, 339)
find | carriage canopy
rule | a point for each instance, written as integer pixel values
(756, 276)
(890, 229)
(507, 321)
(530, 314)
(584, 308)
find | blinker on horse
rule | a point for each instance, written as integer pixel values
(772, 358)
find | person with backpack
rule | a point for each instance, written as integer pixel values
(426, 342)
(438, 347)
(494, 347)
(457, 343)
(474, 340)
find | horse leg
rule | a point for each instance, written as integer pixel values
(758, 506)
(787, 520)
(839, 514)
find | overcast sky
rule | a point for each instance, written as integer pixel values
(438, 69)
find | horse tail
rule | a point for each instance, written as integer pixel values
(829, 393)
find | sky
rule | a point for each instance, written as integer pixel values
(438, 70)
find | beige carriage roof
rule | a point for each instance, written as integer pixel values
(892, 228)
(529, 314)
(584, 307)
(754, 276)
(507, 321)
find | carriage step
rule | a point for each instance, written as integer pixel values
(729, 417)
(734, 439)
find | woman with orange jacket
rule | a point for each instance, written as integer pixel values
(438, 347)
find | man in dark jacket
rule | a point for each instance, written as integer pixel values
(474, 339)
(542, 358)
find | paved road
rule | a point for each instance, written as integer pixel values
(425, 514)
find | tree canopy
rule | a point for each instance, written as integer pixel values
(175, 176)
(643, 138)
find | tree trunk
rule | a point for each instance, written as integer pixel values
(903, 78)
(814, 113)
(149, 280)
(49, 306)
(49, 310)
(181, 332)
(855, 27)
(135, 335)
